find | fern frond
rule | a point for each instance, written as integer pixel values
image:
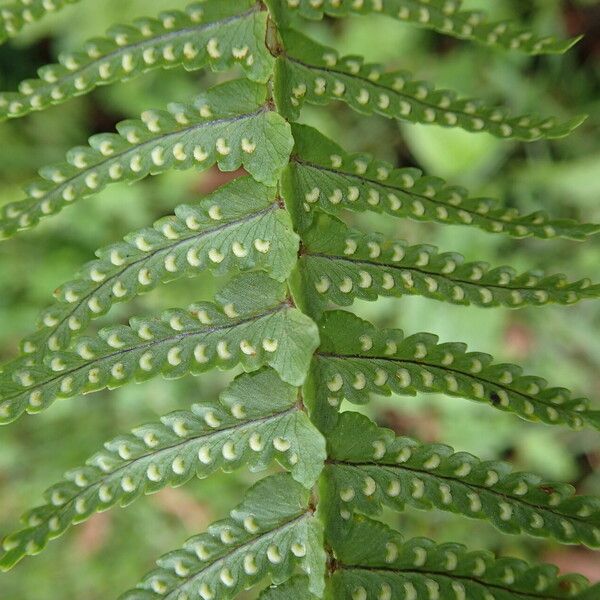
(355, 359)
(339, 265)
(231, 126)
(443, 16)
(218, 34)
(376, 469)
(257, 420)
(315, 74)
(273, 532)
(237, 228)
(322, 175)
(375, 562)
(252, 324)
(295, 588)
(277, 233)
(18, 13)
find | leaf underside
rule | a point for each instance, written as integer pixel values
(252, 325)
(323, 176)
(219, 36)
(339, 265)
(442, 16)
(256, 421)
(15, 14)
(272, 532)
(374, 561)
(380, 469)
(355, 360)
(239, 227)
(229, 126)
(315, 74)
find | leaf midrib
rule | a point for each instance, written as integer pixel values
(398, 267)
(306, 514)
(32, 203)
(525, 395)
(149, 344)
(486, 216)
(165, 449)
(151, 254)
(391, 90)
(481, 488)
(445, 575)
(459, 16)
(151, 41)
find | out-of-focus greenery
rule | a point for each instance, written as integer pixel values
(108, 554)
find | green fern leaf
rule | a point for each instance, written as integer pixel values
(239, 227)
(231, 126)
(315, 74)
(375, 562)
(295, 588)
(376, 469)
(277, 234)
(219, 34)
(355, 359)
(443, 16)
(271, 533)
(341, 265)
(322, 175)
(16, 14)
(257, 421)
(253, 324)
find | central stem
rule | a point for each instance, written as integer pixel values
(273, 41)
(275, 46)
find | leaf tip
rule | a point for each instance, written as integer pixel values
(570, 43)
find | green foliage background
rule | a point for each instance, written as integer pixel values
(107, 554)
